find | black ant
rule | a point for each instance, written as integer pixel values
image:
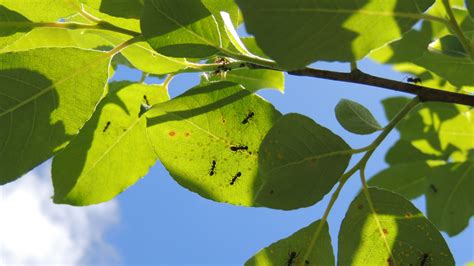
(249, 116)
(414, 80)
(146, 100)
(424, 259)
(292, 256)
(234, 179)
(106, 126)
(433, 188)
(213, 168)
(239, 148)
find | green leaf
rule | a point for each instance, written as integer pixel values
(300, 161)
(449, 199)
(252, 79)
(12, 22)
(408, 179)
(206, 124)
(54, 37)
(111, 152)
(432, 136)
(143, 57)
(448, 45)
(294, 247)
(118, 8)
(413, 48)
(327, 30)
(470, 7)
(177, 32)
(224, 6)
(47, 95)
(12, 26)
(355, 118)
(253, 47)
(42, 11)
(435, 128)
(140, 55)
(92, 7)
(395, 233)
(233, 36)
(404, 152)
(256, 79)
(456, 70)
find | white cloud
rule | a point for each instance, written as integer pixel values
(34, 231)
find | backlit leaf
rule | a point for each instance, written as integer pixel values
(218, 122)
(111, 152)
(299, 32)
(300, 161)
(450, 201)
(395, 233)
(175, 31)
(448, 45)
(46, 96)
(290, 250)
(143, 57)
(54, 37)
(470, 7)
(118, 8)
(408, 179)
(12, 26)
(355, 118)
(413, 48)
(252, 79)
(42, 11)
(256, 79)
(436, 128)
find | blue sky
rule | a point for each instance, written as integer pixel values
(158, 222)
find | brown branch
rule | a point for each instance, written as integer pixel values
(424, 93)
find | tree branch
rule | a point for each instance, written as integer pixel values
(424, 93)
(356, 76)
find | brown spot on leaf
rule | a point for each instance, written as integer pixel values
(385, 231)
(187, 134)
(172, 133)
(360, 206)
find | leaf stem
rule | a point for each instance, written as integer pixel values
(102, 25)
(143, 77)
(167, 80)
(125, 44)
(454, 25)
(359, 166)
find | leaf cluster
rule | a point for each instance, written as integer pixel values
(225, 142)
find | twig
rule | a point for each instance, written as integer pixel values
(425, 94)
